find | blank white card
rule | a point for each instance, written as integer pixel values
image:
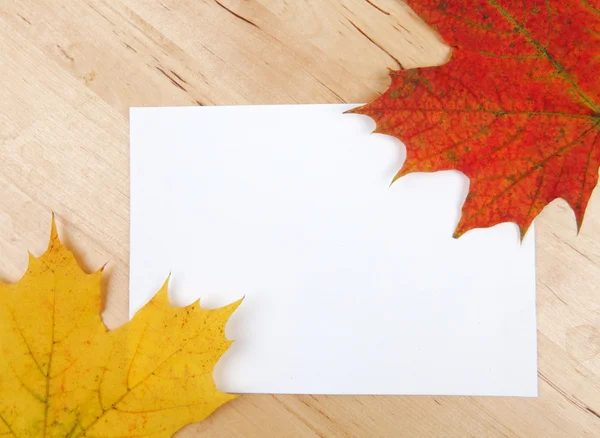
(351, 286)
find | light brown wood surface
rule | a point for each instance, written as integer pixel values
(70, 70)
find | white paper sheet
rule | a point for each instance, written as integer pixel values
(351, 286)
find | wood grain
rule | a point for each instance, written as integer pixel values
(71, 69)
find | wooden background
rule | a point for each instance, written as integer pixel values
(70, 69)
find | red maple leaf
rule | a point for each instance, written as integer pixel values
(516, 108)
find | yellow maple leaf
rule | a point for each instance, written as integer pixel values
(63, 374)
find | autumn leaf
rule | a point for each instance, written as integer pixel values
(63, 374)
(516, 108)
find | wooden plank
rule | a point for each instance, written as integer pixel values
(70, 71)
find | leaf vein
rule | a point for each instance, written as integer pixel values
(557, 66)
(531, 170)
